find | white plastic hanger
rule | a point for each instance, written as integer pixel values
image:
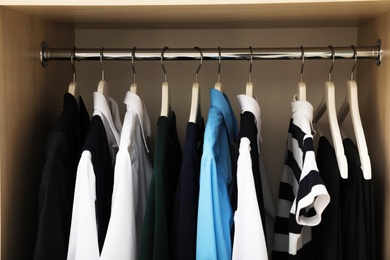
(133, 86)
(165, 100)
(351, 104)
(103, 86)
(301, 87)
(218, 84)
(195, 96)
(249, 84)
(328, 104)
(73, 87)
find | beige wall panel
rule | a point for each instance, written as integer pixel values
(203, 14)
(2, 84)
(30, 101)
(374, 91)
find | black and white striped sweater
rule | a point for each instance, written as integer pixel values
(302, 193)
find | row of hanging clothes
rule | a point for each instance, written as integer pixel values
(325, 207)
(101, 197)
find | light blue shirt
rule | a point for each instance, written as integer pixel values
(215, 215)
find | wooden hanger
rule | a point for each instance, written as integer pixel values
(133, 86)
(301, 87)
(74, 90)
(103, 86)
(165, 99)
(301, 91)
(195, 103)
(218, 84)
(249, 84)
(249, 89)
(351, 104)
(73, 87)
(328, 104)
(195, 95)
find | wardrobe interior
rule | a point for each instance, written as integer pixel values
(31, 96)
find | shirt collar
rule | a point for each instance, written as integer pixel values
(302, 107)
(70, 103)
(221, 101)
(302, 111)
(134, 103)
(79, 114)
(110, 111)
(249, 104)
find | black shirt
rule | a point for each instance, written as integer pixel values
(97, 144)
(62, 154)
(359, 237)
(327, 240)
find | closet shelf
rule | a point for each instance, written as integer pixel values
(202, 14)
(362, 52)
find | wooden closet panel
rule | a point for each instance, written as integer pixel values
(203, 14)
(30, 101)
(374, 101)
(2, 83)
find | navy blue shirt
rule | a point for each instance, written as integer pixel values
(187, 195)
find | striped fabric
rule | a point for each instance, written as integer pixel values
(302, 194)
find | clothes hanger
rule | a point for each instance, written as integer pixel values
(103, 86)
(328, 104)
(73, 87)
(351, 105)
(195, 97)
(249, 84)
(329, 87)
(165, 101)
(218, 84)
(301, 87)
(133, 86)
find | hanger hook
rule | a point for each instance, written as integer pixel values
(101, 62)
(132, 63)
(72, 62)
(250, 65)
(200, 64)
(303, 61)
(162, 64)
(219, 64)
(355, 58)
(331, 68)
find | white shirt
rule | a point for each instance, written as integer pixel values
(133, 172)
(249, 104)
(249, 239)
(83, 239)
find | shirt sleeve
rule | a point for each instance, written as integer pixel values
(120, 242)
(312, 193)
(214, 214)
(83, 240)
(249, 239)
(55, 199)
